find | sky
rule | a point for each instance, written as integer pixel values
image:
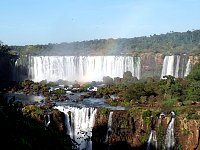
(31, 22)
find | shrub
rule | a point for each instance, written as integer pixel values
(103, 111)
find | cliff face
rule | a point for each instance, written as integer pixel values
(131, 129)
(151, 64)
(187, 132)
(130, 132)
(194, 59)
(6, 66)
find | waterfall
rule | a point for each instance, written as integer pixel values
(188, 68)
(46, 120)
(82, 68)
(170, 139)
(79, 123)
(152, 141)
(176, 75)
(152, 137)
(47, 117)
(176, 65)
(109, 127)
(167, 66)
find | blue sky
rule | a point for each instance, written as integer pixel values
(24, 22)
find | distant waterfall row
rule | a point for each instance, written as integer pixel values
(94, 68)
(82, 68)
(176, 66)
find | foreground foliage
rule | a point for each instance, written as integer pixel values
(21, 132)
(164, 93)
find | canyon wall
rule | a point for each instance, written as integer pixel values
(130, 129)
(7, 64)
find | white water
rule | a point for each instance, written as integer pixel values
(82, 68)
(79, 123)
(109, 127)
(176, 75)
(46, 120)
(170, 139)
(152, 140)
(176, 66)
(188, 68)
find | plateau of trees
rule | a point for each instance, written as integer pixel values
(6, 50)
(155, 92)
(172, 42)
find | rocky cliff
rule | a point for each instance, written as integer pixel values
(132, 131)
(7, 63)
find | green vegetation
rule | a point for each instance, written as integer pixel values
(192, 114)
(165, 94)
(161, 136)
(20, 131)
(144, 138)
(103, 111)
(173, 42)
(6, 50)
(178, 147)
(32, 110)
(168, 103)
(185, 131)
(146, 116)
(133, 111)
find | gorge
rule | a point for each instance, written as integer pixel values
(91, 129)
(105, 128)
(151, 103)
(130, 130)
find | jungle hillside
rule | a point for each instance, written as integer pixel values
(172, 42)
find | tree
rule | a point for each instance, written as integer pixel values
(4, 49)
(193, 92)
(134, 92)
(195, 73)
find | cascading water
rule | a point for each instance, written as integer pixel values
(188, 68)
(152, 141)
(176, 65)
(82, 68)
(152, 138)
(47, 118)
(170, 139)
(79, 123)
(168, 64)
(109, 127)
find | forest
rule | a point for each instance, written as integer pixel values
(172, 42)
